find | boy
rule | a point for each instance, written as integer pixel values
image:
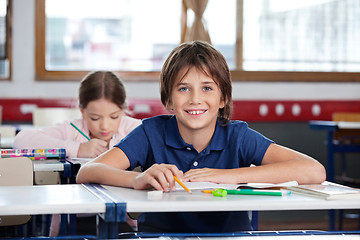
(197, 143)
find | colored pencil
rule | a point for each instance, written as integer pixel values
(79, 131)
(181, 184)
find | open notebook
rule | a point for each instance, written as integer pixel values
(210, 185)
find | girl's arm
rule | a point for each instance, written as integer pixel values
(48, 137)
(110, 169)
(280, 164)
(60, 136)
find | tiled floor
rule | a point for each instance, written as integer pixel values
(305, 220)
(87, 225)
(268, 221)
(276, 225)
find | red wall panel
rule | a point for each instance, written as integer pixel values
(20, 110)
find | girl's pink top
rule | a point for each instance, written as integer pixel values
(66, 136)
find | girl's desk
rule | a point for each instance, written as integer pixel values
(66, 169)
(48, 199)
(61, 199)
(6, 142)
(53, 165)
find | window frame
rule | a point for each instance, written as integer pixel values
(237, 75)
(8, 38)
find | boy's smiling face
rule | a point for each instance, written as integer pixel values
(195, 100)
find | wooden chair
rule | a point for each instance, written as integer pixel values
(17, 171)
(7, 136)
(7, 131)
(43, 117)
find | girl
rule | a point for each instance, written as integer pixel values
(197, 143)
(102, 104)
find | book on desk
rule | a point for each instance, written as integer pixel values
(326, 190)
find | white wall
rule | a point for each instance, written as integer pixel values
(24, 85)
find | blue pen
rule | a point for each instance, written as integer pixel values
(79, 131)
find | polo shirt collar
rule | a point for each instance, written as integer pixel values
(174, 139)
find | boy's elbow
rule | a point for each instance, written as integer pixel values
(319, 173)
(322, 174)
(81, 176)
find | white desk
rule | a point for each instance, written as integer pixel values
(50, 165)
(61, 199)
(7, 142)
(348, 125)
(66, 169)
(112, 203)
(48, 199)
(137, 201)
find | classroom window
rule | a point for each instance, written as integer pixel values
(262, 40)
(306, 35)
(110, 34)
(4, 39)
(119, 35)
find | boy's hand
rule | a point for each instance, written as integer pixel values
(209, 175)
(92, 148)
(158, 176)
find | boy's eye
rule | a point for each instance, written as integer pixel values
(94, 119)
(207, 88)
(183, 89)
(115, 117)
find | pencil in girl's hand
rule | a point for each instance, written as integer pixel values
(79, 131)
(181, 184)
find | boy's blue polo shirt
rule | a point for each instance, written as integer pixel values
(157, 140)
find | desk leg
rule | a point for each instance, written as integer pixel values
(108, 223)
(332, 220)
(330, 174)
(107, 230)
(72, 227)
(330, 157)
(63, 225)
(254, 220)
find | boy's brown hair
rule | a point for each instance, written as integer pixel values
(207, 59)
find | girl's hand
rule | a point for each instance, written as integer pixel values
(158, 176)
(210, 175)
(92, 148)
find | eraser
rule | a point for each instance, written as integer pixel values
(155, 195)
(219, 192)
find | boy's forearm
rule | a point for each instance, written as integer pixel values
(304, 171)
(104, 174)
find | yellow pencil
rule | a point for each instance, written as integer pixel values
(181, 184)
(207, 191)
